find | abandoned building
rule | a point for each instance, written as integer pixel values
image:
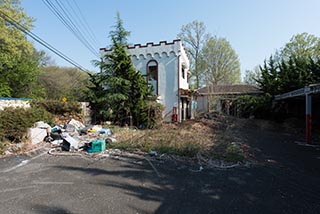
(221, 97)
(166, 66)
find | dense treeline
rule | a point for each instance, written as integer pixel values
(297, 72)
(24, 71)
(294, 66)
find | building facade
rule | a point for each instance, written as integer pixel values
(166, 66)
(221, 98)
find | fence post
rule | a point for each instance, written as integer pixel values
(308, 118)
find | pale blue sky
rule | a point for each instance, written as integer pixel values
(255, 28)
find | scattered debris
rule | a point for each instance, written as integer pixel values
(199, 170)
(56, 142)
(77, 124)
(95, 128)
(42, 125)
(39, 132)
(111, 140)
(73, 136)
(69, 128)
(73, 143)
(153, 153)
(37, 135)
(105, 131)
(183, 142)
(98, 145)
(220, 164)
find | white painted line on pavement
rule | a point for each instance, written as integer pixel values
(307, 145)
(24, 162)
(16, 189)
(153, 167)
(52, 183)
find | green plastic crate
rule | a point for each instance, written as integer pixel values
(98, 145)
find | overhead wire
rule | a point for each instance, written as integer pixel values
(73, 23)
(39, 40)
(65, 16)
(84, 23)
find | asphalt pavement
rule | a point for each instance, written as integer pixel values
(285, 179)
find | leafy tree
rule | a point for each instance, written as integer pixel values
(257, 106)
(294, 66)
(193, 36)
(62, 82)
(221, 62)
(18, 58)
(251, 76)
(302, 45)
(118, 92)
(45, 59)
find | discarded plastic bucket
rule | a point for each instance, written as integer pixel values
(97, 146)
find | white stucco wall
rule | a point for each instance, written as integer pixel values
(184, 63)
(170, 56)
(167, 77)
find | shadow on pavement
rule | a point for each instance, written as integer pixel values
(42, 209)
(286, 180)
(269, 188)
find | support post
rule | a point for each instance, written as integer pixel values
(308, 118)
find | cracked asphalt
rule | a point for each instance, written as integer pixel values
(285, 179)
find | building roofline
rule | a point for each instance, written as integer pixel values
(148, 44)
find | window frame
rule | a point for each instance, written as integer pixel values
(148, 73)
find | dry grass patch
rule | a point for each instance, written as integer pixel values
(185, 139)
(212, 137)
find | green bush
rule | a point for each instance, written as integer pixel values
(57, 107)
(152, 115)
(231, 152)
(257, 106)
(234, 153)
(15, 122)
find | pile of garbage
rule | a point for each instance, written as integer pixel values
(73, 136)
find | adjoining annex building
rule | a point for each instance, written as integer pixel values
(221, 98)
(166, 66)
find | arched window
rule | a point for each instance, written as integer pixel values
(152, 75)
(183, 71)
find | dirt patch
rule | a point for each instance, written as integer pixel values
(212, 136)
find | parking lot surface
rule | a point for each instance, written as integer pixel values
(285, 179)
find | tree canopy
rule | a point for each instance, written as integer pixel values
(252, 76)
(295, 66)
(193, 36)
(18, 57)
(59, 82)
(213, 60)
(221, 62)
(297, 72)
(302, 45)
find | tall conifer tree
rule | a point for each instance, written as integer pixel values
(124, 89)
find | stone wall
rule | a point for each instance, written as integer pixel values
(14, 102)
